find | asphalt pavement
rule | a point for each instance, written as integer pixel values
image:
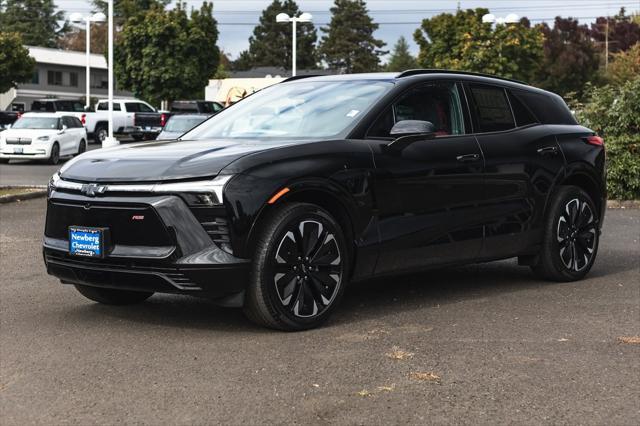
(481, 344)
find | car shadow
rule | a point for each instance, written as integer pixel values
(363, 301)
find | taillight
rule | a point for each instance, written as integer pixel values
(163, 120)
(18, 115)
(595, 140)
(83, 119)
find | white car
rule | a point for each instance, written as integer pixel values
(43, 136)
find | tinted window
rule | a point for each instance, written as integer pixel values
(179, 123)
(102, 106)
(438, 104)
(550, 109)
(74, 106)
(491, 109)
(66, 121)
(132, 107)
(145, 108)
(523, 116)
(36, 123)
(42, 106)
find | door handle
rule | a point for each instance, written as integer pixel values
(468, 158)
(548, 150)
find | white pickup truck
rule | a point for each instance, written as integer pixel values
(131, 117)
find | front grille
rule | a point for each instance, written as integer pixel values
(18, 141)
(128, 224)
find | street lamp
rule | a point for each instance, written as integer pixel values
(490, 18)
(284, 18)
(78, 18)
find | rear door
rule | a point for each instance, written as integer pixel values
(67, 137)
(522, 160)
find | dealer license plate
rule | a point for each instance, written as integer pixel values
(86, 241)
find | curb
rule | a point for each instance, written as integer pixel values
(625, 204)
(40, 191)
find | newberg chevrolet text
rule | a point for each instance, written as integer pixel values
(278, 202)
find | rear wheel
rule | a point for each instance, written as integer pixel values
(54, 157)
(100, 133)
(82, 147)
(110, 296)
(300, 269)
(571, 236)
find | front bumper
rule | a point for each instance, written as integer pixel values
(32, 151)
(168, 251)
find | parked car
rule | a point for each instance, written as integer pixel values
(131, 117)
(178, 125)
(7, 118)
(43, 136)
(286, 197)
(195, 107)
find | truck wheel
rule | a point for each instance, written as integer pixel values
(111, 296)
(100, 134)
(54, 157)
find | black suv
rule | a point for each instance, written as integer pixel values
(285, 197)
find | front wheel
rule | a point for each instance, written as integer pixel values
(300, 269)
(54, 157)
(82, 147)
(110, 296)
(571, 236)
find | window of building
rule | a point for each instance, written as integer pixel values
(54, 78)
(73, 79)
(35, 78)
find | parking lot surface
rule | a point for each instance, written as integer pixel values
(482, 344)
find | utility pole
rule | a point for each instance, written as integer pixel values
(606, 45)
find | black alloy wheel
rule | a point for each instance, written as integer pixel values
(300, 269)
(571, 236)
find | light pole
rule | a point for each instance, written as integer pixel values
(110, 140)
(490, 18)
(78, 18)
(284, 18)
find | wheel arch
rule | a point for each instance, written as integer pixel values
(584, 176)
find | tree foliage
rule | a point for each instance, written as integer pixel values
(570, 57)
(401, 59)
(271, 42)
(36, 21)
(16, 66)
(76, 39)
(623, 31)
(348, 44)
(125, 9)
(461, 41)
(167, 55)
(625, 65)
(614, 112)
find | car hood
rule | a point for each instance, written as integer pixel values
(160, 161)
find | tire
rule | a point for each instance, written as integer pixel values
(4, 161)
(300, 269)
(100, 134)
(110, 296)
(82, 147)
(571, 236)
(54, 157)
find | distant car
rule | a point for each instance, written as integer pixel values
(180, 124)
(57, 105)
(43, 136)
(7, 118)
(195, 107)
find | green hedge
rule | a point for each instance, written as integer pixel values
(613, 111)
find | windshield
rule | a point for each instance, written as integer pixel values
(36, 123)
(304, 109)
(182, 124)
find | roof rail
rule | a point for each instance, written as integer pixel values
(300, 77)
(409, 73)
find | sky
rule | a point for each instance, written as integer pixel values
(236, 18)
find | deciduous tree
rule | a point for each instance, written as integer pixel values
(623, 31)
(624, 65)
(348, 44)
(461, 41)
(36, 21)
(16, 66)
(167, 55)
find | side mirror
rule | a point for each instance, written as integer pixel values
(63, 129)
(407, 132)
(412, 127)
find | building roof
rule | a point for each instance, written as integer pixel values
(45, 55)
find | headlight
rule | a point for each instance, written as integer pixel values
(42, 138)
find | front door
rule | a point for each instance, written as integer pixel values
(427, 193)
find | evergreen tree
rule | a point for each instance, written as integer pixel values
(124, 9)
(348, 44)
(271, 42)
(401, 58)
(36, 21)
